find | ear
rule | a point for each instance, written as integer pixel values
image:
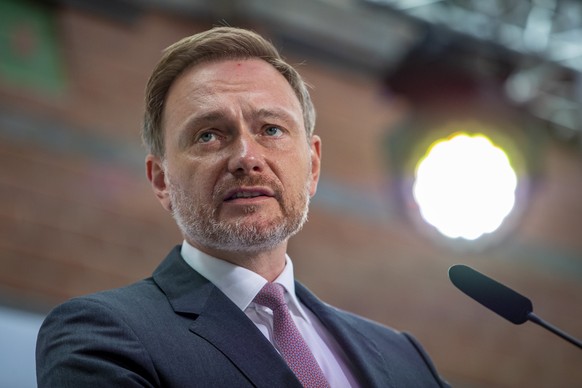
(315, 163)
(157, 176)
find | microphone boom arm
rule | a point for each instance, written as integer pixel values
(546, 325)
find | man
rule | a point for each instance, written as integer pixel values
(232, 156)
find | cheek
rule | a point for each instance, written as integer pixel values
(206, 183)
(299, 171)
(188, 181)
(198, 171)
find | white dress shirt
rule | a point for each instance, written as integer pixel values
(242, 285)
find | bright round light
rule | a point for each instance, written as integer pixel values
(465, 186)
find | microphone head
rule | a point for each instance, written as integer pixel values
(491, 294)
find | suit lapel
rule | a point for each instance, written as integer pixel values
(220, 322)
(368, 364)
(228, 329)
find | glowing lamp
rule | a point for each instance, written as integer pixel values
(465, 186)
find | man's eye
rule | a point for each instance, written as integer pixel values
(273, 131)
(206, 137)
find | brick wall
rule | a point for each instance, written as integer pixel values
(78, 215)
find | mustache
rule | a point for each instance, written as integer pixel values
(232, 183)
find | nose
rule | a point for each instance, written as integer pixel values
(246, 156)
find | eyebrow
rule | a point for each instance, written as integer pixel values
(204, 118)
(276, 113)
(196, 121)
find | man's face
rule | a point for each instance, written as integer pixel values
(238, 170)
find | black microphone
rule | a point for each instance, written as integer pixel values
(502, 300)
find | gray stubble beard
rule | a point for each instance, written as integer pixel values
(199, 223)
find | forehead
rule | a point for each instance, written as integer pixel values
(227, 86)
(233, 76)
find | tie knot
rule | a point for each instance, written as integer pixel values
(271, 296)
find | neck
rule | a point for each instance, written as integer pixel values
(267, 263)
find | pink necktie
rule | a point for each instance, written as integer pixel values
(289, 341)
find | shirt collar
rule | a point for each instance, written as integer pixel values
(239, 284)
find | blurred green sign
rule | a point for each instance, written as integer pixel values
(29, 54)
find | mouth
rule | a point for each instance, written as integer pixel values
(250, 193)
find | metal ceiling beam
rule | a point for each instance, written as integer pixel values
(545, 35)
(549, 29)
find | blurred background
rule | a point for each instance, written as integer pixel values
(451, 134)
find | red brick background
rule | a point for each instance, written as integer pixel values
(77, 219)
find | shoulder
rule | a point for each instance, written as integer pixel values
(88, 317)
(371, 330)
(122, 300)
(329, 313)
(78, 336)
(133, 296)
(125, 308)
(376, 344)
(398, 350)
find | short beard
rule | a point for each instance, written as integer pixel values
(199, 223)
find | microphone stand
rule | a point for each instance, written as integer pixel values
(535, 319)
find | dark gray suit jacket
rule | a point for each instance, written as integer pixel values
(176, 329)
